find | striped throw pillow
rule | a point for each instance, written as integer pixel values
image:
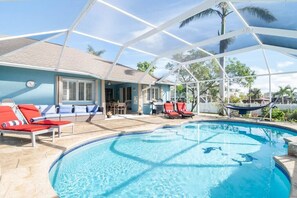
(12, 123)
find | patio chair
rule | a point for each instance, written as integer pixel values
(7, 116)
(182, 110)
(169, 111)
(34, 117)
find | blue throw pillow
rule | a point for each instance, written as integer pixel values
(92, 108)
(65, 108)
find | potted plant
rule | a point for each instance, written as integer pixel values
(109, 114)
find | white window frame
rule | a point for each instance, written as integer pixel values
(152, 93)
(77, 81)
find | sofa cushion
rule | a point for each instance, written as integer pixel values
(47, 109)
(82, 114)
(80, 109)
(65, 109)
(67, 115)
(96, 113)
(92, 108)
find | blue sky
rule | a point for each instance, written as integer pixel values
(29, 16)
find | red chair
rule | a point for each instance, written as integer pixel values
(33, 116)
(182, 109)
(7, 114)
(169, 111)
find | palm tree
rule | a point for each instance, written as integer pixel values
(255, 93)
(282, 92)
(223, 10)
(291, 94)
(91, 50)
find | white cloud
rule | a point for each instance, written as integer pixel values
(284, 64)
(150, 43)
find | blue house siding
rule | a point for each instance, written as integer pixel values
(134, 92)
(147, 107)
(13, 85)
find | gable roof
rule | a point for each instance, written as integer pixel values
(45, 56)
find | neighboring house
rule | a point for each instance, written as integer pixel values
(35, 75)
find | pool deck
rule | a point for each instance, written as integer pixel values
(24, 169)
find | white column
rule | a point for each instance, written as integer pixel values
(228, 94)
(187, 92)
(175, 92)
(140, 99)
(198, 98)
(270, 98)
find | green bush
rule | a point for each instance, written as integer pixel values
(276, 114)
(293, 116)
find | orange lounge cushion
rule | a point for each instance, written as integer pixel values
(51, 122)
(27, 128)
(6, 114)
(29, 111)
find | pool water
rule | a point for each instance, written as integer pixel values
(198, 159)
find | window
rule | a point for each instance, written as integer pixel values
(78, 90)
(155, 91)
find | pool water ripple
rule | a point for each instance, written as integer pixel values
(203, 159)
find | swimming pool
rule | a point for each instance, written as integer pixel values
(202, 159)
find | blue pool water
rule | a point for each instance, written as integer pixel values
(199, 159)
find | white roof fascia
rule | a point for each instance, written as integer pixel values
(274, 32)
(84, 11)
(30, 45)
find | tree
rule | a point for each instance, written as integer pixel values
(284, 91)
(255, 94)
(292, 94)
(143, 66)
(206, 72)
(180, 90)
(91, 50)
(223, 10)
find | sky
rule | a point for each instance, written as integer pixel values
(29, 16)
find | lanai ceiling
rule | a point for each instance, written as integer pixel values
(132, 31)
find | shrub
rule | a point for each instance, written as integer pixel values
(278, 114)
(293, 116)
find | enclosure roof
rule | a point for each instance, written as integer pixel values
(134, 31)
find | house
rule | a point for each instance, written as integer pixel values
(40, 75)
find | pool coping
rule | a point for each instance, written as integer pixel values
(281, 161)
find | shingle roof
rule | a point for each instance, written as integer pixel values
(46, 55)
